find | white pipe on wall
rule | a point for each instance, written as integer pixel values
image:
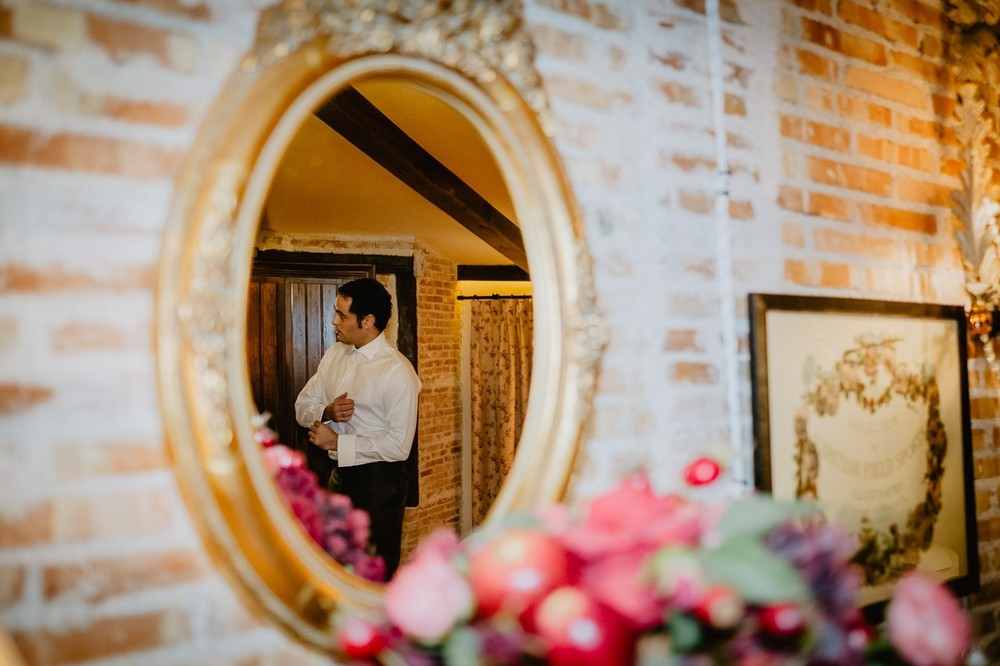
(723, 248)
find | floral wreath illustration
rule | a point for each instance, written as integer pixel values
(883, 555)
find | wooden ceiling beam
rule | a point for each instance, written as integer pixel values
(359, 121)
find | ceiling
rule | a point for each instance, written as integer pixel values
(324, 185)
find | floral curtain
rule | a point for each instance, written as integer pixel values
(500, 351)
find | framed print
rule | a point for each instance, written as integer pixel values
(863, 407)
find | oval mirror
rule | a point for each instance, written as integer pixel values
(476, 59)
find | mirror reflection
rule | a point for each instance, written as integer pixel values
(387, 181)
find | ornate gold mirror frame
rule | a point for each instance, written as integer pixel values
(476, 56)
(977, 203)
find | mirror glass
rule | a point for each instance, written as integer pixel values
(265, 179)
(386, 179)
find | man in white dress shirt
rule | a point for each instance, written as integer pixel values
(361, 407)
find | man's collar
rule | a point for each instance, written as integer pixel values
(369, 350)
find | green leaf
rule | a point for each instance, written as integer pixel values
(685, 632)
(461, 648)
(759, 514)
(756, 573)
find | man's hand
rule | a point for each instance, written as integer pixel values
(322, 436)
(340, 410)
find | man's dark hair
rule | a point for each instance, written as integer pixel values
(368, 297)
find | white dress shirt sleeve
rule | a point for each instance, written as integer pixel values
(402, 386)
(312, 399)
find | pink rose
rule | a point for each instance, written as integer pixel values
(370, 568)
(926, 624)
(442, 543)
(280, 456)
(427, 596)
(620, 582)
(359, 526)
(632, 518)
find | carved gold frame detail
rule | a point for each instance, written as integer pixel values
(478, 57)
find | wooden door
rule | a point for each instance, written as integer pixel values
(289, 326)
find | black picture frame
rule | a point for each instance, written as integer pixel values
(847, 394)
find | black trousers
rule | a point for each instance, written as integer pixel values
(380, 489)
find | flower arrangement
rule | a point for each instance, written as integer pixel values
(329, 518)
(657, 580)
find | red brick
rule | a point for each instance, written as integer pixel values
(849, 176)
(796, 271)
(790, 199)
(848, 106)
(585, 93)
(106, 458)
(827, 136)
(986, 467)
(835, 276)
(830, 206)
(99, 579)
(792, 235)
(163, 114)
(985, 408)
(183, 8)
(104, 638)
(934, 47)
(14, 71)
(693, 162)
(863, 110)
(889, 151)
(886, 216)
(12, 577)
(20, 279)
(915, 158)
(822, 6)
(875, 22)
(850, 45)
(740, 210)
(926, 70)
(679, 93)
(943, 106)
(559, 43)
(16, 398)
(697, 202)
(887, 87)
(921, 191)
(791, 127)
(597, 13)
(952, 167)
(87, 336)
(813, 64)
(927, 129)
(125, 39)
(31, 526)
(919, 13)
(79, 152)
(111, 515)
(830, 240)
(694, 373)
(874, 147)
(734, 105)
(682, 340)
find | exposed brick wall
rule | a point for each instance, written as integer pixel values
(835, 128)
(439, 347)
